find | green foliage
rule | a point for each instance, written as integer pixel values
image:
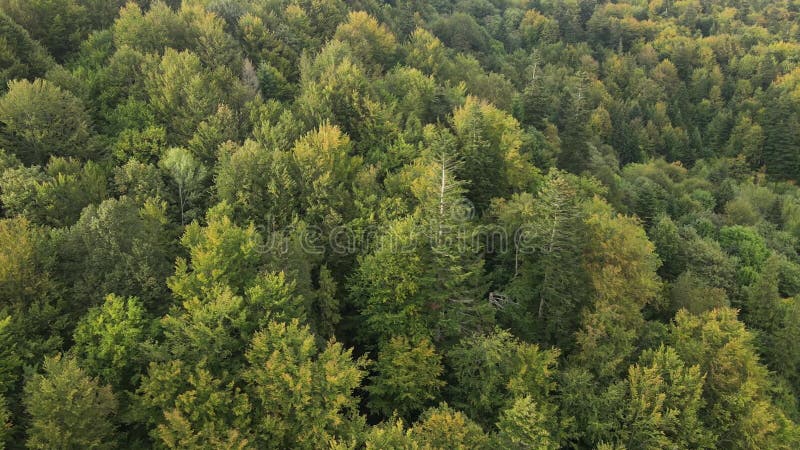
(10, 365)
(194, 408)
(139, 181)
(780, 132)
(692, 293)
(218, 129)
(220, 254)
(324, 173)
(535, 28)
(747, 246)
(257, 183)
(547, 282)
(489, 143)
(273, 83)
(182, 92)
(407, 379)
(425, 52)
(20, 254)
(69, 409)
(524, 425)
(60, 25)
(325, 309)
(9, 360)
(389, 435)
(422, 279)
(109, 340)
(304, 394)
(620, 257)
(738, 409)
(5, 422)
(188, 175)
(224, 322)
(335, 89)
(192, 27)
(666, 237)
(489, 371)
(444, 427)
(40, 119)
(540, 212)
(663, 404)
(21, 56)
(145, 146)
(773, 317)
(213, 330)
(372, 43)
(158, 28)
(56, 195)
(121, 248)
(623, 266)
(29, 294)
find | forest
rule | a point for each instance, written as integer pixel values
(400, 224)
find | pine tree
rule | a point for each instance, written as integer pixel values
(549, 284)
(425, 276)
(781, 137)
(23, 58)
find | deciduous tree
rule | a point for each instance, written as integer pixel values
(69, 409)
(407, 379)
(40, 119)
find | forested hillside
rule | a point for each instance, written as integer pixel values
(330, 224)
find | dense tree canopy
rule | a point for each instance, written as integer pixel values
(411, 224)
